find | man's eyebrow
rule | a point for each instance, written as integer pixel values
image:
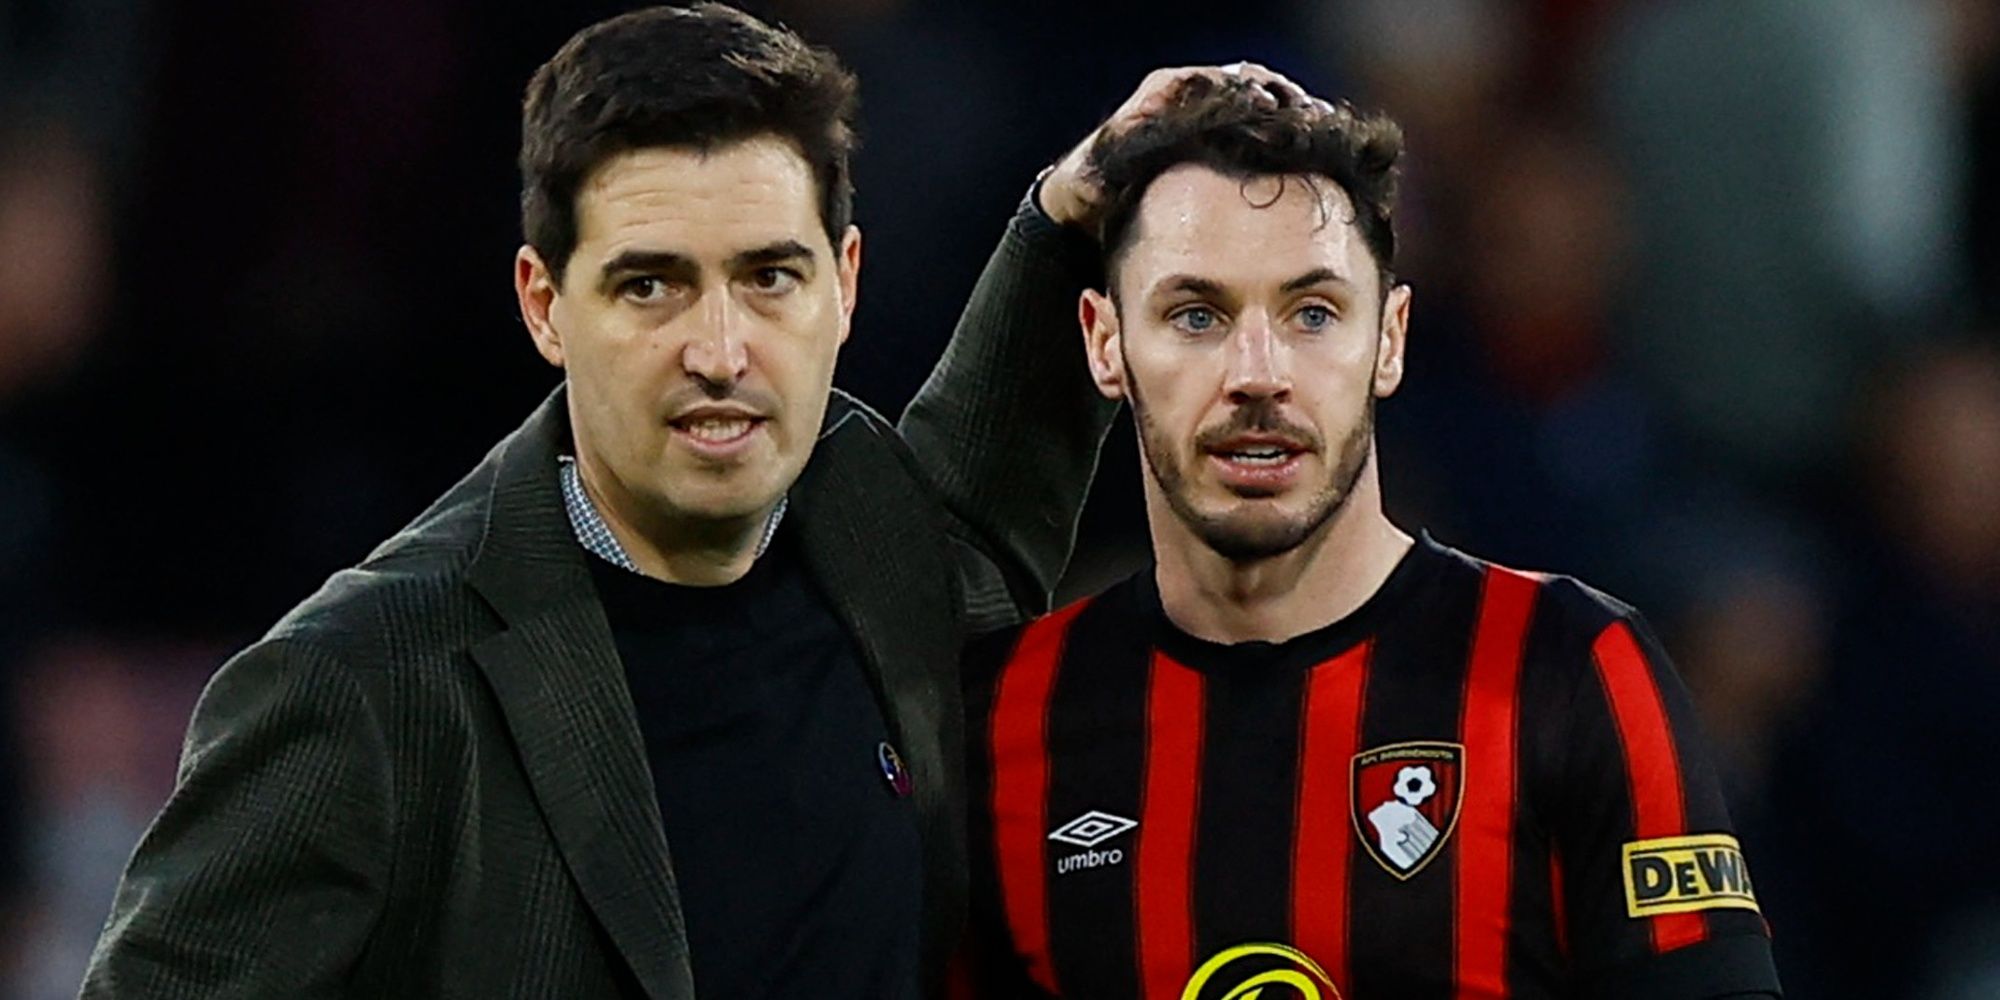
(646, 262)
(672, 264)
(1189, 283)
(772, 253)
(1314, 277)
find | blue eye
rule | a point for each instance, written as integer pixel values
(1316, 317)
(1196, 319)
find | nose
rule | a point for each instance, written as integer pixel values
(716, 355)
(1257, 366)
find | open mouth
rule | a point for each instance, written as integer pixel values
(1257, 455)
(717, 433)
(717, 429)
(1257, 449)
(1259, 465)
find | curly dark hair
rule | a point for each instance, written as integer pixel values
(1233, 128)
(697, 77)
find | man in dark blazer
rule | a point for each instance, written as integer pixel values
(462, 769)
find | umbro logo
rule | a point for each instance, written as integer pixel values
(1091, 829)
(1088, 831)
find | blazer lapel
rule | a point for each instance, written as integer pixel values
(850, 514)
(562, 690)
(872, 544)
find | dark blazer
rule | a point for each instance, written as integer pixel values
(428, 779)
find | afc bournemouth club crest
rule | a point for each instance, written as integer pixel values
(1405, 802)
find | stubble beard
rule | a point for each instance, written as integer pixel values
(1248, 538)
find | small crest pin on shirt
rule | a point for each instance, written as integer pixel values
(893, 769)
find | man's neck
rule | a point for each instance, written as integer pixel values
(1319, 582)
(693, 552)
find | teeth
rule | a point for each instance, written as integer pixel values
(717, 428)
(1259, 456)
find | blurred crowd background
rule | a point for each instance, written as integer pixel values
(1707, 313)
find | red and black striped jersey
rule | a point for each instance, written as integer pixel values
(1481, 783)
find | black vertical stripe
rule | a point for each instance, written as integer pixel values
(1249, 795)
(1400, 934)
(1554, 648)
(1594, 816)
(988, 955)
(1097, 740)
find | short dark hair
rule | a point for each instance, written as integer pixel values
(697, 77)
(1234, 129)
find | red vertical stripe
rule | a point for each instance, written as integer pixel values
(1321, 846)
(1558, 904)
(960, 983)
(1486, 823)
(1652, 765)
(1020, 766)
(1164, 851)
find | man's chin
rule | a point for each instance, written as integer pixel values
(736, 499)
(1241, 538)
(1246, 492)
(722, 509)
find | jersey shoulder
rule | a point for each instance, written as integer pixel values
(1567, 612)
(988, 654)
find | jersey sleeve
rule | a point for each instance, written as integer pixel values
(1658, 899)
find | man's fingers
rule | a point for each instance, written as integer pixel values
(1280, 86)
(1295, 95)
(1161, 86)
(1069, 189)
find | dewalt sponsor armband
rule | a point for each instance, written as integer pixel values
(1686, 874)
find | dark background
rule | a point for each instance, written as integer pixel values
(1705, 314)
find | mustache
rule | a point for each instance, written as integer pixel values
(687, 397)
(1259, 416)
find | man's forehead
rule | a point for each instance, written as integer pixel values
(753, 192)
(1197, 217)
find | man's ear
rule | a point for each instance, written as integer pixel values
(1099, 318)
(536, 288)
(849, 276)
(1395, 334)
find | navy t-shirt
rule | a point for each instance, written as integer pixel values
(800, 867)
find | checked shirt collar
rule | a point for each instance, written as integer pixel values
(595, 535)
